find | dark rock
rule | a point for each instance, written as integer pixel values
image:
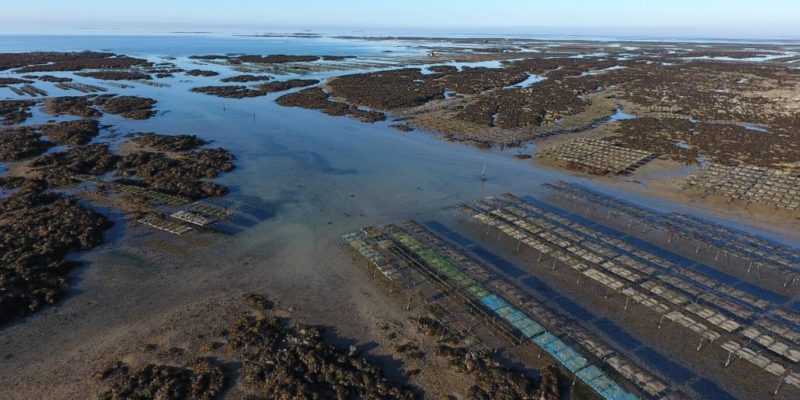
(280, 86)
(18, 143)
(81, 106)
(131, 107)
(202, 379)
(173, 143)
(13, 81)
(246, 78)
(15, 111)
(75, 61)
(116, 75)
(77, 132)
(317, 99)
(232, 92)
(37, 232)
(200, 72)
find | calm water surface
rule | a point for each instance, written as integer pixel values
(315, 176)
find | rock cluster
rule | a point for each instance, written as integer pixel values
(388, 90)
(724, 143)
(317, 99)
(239, 92)
(296, 362)
(54, 79)
(492, 380)
(182, 174)
(258, 59)
(201, 379)
(38, 230)
(116, 75)
(21, 142)
(80, 106)
(15, 111)
(131, 107)
(245, 78)
(173, 143)
(201, 72)
(231, 92)
(13, 81)
(267, 358)
(72, 61)
(279, 86)
(178, 176)
(75, 133)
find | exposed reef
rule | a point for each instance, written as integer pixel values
(317, 99)
(239, 92)
(231, 92)
(280, 86)
(74, 133)
(116, 75)
(246, 78)
(17, 143)
(74, 61)
(200, 72)
(15, 111)
(270, 358)
(171, 143)
(38, 230)
(131, 107)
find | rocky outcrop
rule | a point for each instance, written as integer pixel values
(38, 230)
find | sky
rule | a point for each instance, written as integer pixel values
(657, 18)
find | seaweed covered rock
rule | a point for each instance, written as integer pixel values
(78, 132)
(280, 86)
(53, 79)
(81, 106)
(284, 362)
(388, 90)
(492, 379)
(200, 72)
(38, 230)
(66, 61)
(116, 75)
(179, 176)
(13, 81)
(246, 78)
(21, 142)
(15, 111)
(240, 92)
(258, 59)
(57, 168)
(202, 379)
(317, 99)
(231, 92)
(131, 107)
(174, 143)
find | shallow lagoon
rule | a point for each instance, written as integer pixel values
(308, 177)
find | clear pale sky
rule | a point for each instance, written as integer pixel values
(707, 18)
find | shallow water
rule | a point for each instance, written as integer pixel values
(307, 176)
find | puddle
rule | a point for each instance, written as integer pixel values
(530, 80)
(620, 115)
